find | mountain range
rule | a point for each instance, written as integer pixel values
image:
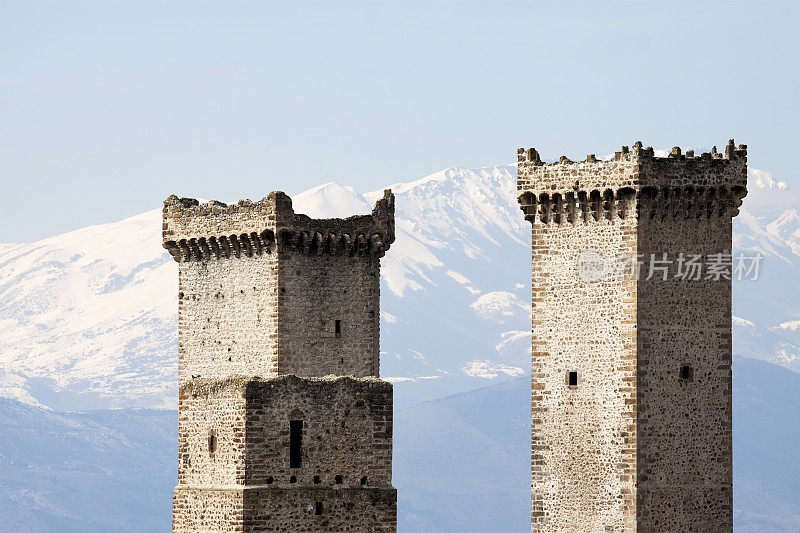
(88, 318)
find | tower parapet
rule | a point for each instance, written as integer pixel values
(195, 231)
(677, 185)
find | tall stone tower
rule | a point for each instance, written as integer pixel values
(631, 362)
(284, 424)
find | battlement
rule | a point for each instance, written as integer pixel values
(634, 183)
(639, 152)
(195, 231)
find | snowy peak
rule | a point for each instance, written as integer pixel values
(456, 214)
(331, 200)
(768, 198)
(763, 180)
(456, 200)
(787, 228)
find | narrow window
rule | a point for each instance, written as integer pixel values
(687, 373)
(212, 442)
(295, 443)
(293, 479)
(316, 480)
(338, 479)
(364, 480)
(318, 508)
(337, 328)
(269, 480)
(572, 378)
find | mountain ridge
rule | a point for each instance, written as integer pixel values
(88, 318)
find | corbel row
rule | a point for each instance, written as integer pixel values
(318, 243)
(584, 207)
(226, 246)
(578, 207)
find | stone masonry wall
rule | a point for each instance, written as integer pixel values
(372, 510)
(346, 455)
(186, 218)
(227, 319)
(212, 408)
(637, 168)
(347, 431)
(316, 291)
(685, 426)
(583, 440)
(207, 510)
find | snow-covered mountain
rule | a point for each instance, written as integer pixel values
(88, 318)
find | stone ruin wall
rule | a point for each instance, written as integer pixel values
(347, 433)
(232, 320)
(207, 509)
(348, 510)
(594, 443)
(582, 440)
(205, 408)
(279, 509)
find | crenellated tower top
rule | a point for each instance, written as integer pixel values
(633, 182)
(195, 231)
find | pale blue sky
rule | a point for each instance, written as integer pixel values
(110, 106)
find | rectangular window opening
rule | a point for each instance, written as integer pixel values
(295, 443)
(337, 328)
(318, 508)
(687, 373)
(572, 378)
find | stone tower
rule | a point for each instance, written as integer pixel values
(284, 424)
(631, 357)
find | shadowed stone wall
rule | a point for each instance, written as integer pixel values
(685, 470)
(318, 291)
